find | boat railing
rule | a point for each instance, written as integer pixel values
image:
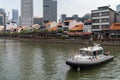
(95, 44)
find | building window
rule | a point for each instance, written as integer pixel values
(105, 20)
(95, 14)
(66, 23)
(65, 28)
(104, 26)
(95, 20)
(105, 14)
(46, 5)
(95, 27)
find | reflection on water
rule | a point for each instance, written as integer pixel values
(37, 61)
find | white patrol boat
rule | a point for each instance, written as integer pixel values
(90, 56)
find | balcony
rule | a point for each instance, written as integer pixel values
(105, 23)
(100, 11)
(100, 17)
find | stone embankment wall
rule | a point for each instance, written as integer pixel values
(73, 41)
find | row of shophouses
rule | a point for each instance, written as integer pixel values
(104, 21)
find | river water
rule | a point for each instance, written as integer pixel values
(46, 61)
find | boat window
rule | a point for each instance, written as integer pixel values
(84, 53)
(97, 52)
(94, 53)
(100, 52)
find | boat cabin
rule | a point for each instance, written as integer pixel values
(92, 51)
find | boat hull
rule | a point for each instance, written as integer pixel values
(84, 64)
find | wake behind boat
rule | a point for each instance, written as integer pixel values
(90, 56)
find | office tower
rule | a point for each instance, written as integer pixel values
(26, 12)
(49, 10)
(1, 19)
(3, 15)
(15, 16)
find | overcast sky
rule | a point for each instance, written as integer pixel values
(69, 7)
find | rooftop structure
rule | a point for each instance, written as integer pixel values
(115, 26)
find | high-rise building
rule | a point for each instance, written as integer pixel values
(49, 10)
(26, 12)
(118, 8)
(74, 17)
(2, 11)
(15, 16)
(1, 19)
(63, 18)
(87, 16)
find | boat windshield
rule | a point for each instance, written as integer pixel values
(85, 53)
(99, 52)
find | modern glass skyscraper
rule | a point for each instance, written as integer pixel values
(15, 16)
(26, 13)
(49, 10)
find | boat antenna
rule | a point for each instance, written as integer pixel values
(91, 40)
